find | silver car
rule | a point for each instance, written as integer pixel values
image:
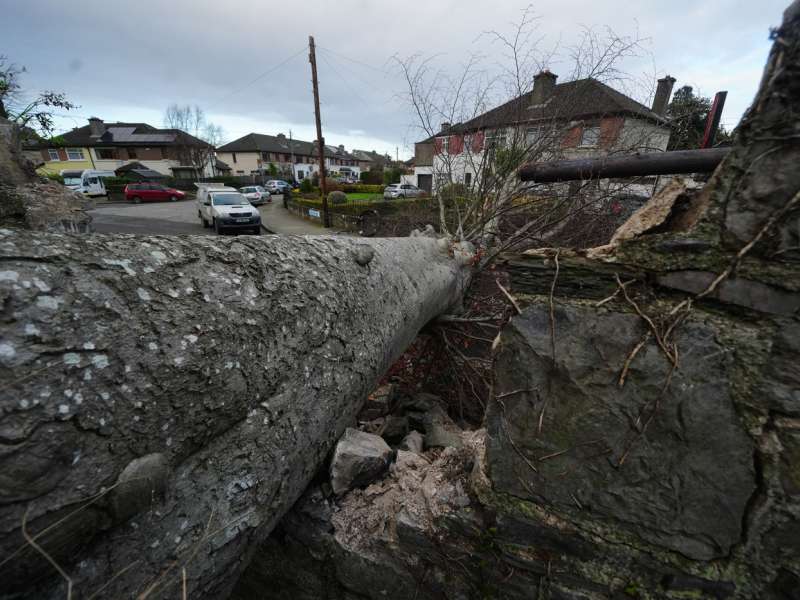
(255, 194)
(401, 190)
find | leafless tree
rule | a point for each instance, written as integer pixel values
(494, 208)
(197, 138)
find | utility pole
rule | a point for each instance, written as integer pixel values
(312, 58)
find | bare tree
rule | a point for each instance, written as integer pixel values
(493, 207)
(198, 137)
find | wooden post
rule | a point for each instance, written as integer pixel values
(312, 57)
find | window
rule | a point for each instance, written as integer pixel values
(590, 137)
(445, 144)
(131, 152)
(53, 154)
(467, 179)
(496, 139)
(74, 154)
(301, 175)
(234, 158)
(265, 156)
(105, 153)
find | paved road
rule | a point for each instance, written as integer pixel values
(180, 218)
(156, 218)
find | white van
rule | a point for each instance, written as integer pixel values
(88, 181)
(223, 207)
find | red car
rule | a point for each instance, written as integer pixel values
(145, 192)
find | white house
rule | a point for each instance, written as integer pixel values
(570, 120)
(295, 159)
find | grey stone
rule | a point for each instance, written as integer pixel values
(440, 430)
(413, 442)
(743, 292)
(684, 483)
(359, 459)
(395, 428)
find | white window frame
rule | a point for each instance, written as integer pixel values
(68, 150)
(584, 143)
(53, 154)
(445, 144)
(496, 139)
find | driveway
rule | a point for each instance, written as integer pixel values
(154, 218)
(180, 218)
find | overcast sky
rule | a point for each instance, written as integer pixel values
(126, 61)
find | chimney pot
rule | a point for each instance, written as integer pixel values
(97, 127)
(445, 127)
(543, 85)
(663, 92)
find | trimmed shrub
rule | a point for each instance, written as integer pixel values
(55, 177)
(305, 186)
(359, 188)
(371, 177)
(337, 197)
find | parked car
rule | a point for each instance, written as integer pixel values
(223, 207)
(401, 190)
(277, 186)
(146, 192)
(255, 194)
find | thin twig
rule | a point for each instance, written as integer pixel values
(553, 311)
(612, 296)
(41, 551)
(509, 296)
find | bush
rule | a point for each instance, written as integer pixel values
(371, 177)
(116, 184)
(360, 188)
(337, 197)
(305, 186)
(451, 191)
(391, 176)
(55, 177)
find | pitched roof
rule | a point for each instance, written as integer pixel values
(259, 142)
(122, 134)
(572, 100)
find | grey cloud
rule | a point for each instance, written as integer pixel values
(149, 53)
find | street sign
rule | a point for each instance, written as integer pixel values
(313, 212)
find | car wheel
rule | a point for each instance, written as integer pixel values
(173, 198)
(257, 231)
(136, 200)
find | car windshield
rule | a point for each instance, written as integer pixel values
(247, 190)
(228, 199)
(72, 180)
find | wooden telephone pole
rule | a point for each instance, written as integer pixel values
(312, 57)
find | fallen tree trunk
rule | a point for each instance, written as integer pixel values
(165, 401)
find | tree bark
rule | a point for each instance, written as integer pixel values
(165, 401)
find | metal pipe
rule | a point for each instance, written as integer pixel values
(631, 165)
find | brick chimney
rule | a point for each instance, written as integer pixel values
(341, 148)
(97, 127)
(663, 92)
(281, 136)
(543, 85)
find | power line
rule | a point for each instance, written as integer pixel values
(353, 60)
(264, 74)
(346, 83)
